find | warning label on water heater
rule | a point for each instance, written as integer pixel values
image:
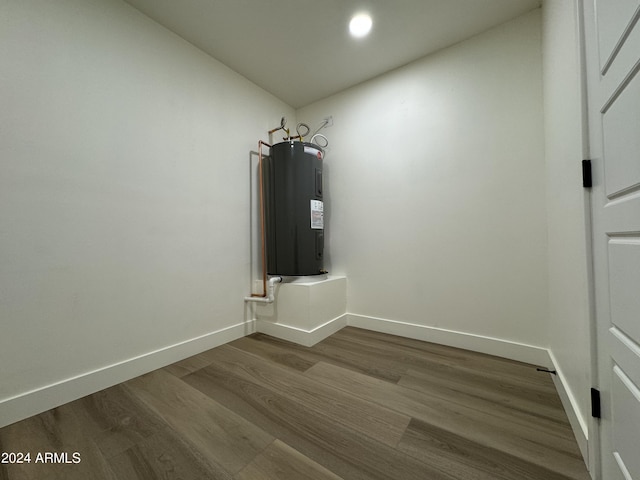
(317, 214)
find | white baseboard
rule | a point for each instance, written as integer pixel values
(578, 425)
(308, 338)
(477, 343)
(42, 399)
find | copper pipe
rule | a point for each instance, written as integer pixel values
(277, 129)
(262, 221)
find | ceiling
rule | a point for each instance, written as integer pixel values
(301, 51)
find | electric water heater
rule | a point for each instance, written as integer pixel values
(294, 210)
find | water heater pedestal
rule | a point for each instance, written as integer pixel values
(305, 311)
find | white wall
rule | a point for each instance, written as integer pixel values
(124, 198)
(436, 189)
(567, 204)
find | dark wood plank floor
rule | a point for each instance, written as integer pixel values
(359, 405)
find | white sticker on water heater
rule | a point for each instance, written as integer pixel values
(317, 215)
(313, 151)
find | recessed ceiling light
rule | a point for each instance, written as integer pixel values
(360, 25)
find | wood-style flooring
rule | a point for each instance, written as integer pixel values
(358, 405)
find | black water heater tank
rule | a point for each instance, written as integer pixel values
(294, 210)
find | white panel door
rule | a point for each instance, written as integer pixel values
(612, 40)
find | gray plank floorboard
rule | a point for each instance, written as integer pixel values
(359, 405)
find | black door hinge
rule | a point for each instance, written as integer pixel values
(586, 174)
(595, 403)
